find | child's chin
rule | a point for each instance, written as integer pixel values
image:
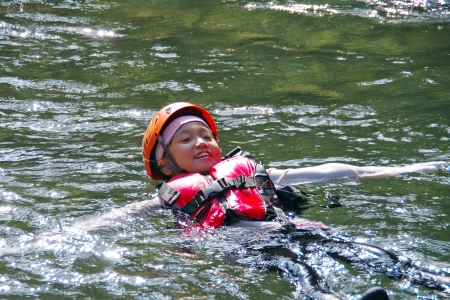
(203, 168)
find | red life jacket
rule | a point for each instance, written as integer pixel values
(237, 187)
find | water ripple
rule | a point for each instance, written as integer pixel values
(394, 11)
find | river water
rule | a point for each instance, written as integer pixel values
(295, 83)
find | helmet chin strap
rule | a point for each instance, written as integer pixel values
(167, 151)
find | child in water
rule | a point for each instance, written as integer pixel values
(180, 146)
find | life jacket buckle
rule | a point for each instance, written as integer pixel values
(215, 188)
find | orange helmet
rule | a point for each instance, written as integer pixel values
(157, 125)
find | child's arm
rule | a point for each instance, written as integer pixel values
(343, 172)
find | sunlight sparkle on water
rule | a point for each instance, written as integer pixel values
(100, 33)
(111, 254)
(5, 209)
(139, 280)
(294, 8)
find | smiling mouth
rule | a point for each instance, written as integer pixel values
(202, 155)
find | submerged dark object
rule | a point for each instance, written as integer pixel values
(375, 293)
(287, 252)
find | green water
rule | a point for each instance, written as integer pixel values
(295, 83)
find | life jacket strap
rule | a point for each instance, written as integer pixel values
(216, 187)
(168, 194)
(267, 190)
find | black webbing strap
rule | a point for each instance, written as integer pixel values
(169, 194)
(266, 188)
(215, 188)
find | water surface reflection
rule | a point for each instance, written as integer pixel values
(296, 84)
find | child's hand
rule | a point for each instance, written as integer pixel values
(427, 167)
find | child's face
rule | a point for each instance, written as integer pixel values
(194, 148)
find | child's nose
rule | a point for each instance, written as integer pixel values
(201, 142)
